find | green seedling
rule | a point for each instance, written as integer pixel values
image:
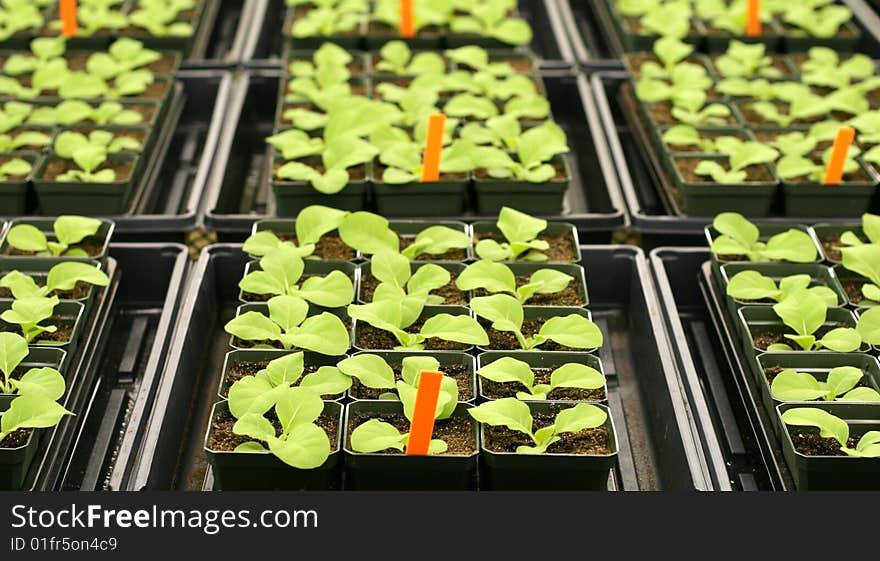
(43, 50)
(27, 313)
(89, 154)
(570, 375)
(160, 19)
(436, 240)
(824, 68)
(671, 52)
(490, 86)
(805, 314)
(18, 16)
(280, 272)
(753, 286)
(288, 325)
(124, 55)
(403, 161)
(72, 112)
(13, 114)
(468, 105)
(793, 166)
(686, 81)
(84, 85)
(399, 280)
(822, 22)
(96, 16)
(692, 109)
(741, 155)
(496, 277)
(295, 144)
(69, 231)
(867, 125)
(62, 277)
(869, 326)
(521, 233)
(397, 58)
(516, 415)
(535, 149)
(312, 223)
(834, 427)
(686, 135)
(477, 58)
(13, 168)
(490, 19)
(339, 154)
(746, 61)
(329, 55)
(791, 385)
(738, 237)
(328, 20)
(670, 19)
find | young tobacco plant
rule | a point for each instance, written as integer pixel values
(687, 135)
(330, 18)
(337, 156)
(123, 56)
(436, 240)
(805, 313)
(329, 55)
(159, 19)
(69, 231)
(397, 58)
(280, 272)
(399, 281)
(791, 385)
(43, 50)
(687, 81)
(312, 223)
(738, 236)
(535, 148)
(570, 375)
(521, 232)
(824, 68)
(506, 314)
(793, 166)
(477, 58)
(693, 109)
(671, 52)
(741, 154)
(490, 19)
(288, 324)
(752, 285)
(516, 415)
(74, 111)
(831, 426)
(671, 19)
(496, 277)
(823, 22)
(403, 161)
(27, 313)
(19, 16)
(368, 233)
(743, 60)
(62, 277)
(15, 167)
(89, 154)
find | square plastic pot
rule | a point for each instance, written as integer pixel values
(251, 471)
(522, 269)
(86, 198)
(796, 42)
(553, 229)
(312, 267)
(847, 200)
(844, 276)
(105, 232)
(545, 312)
(428, 312)
(412, 228)
(67, 311)
(452, 268)
(13, 193)
(37, 357)
(293, 196)
(707, 198)
(820, 275)
(15, 462)
(268, 355)
(440, 198)
(543, 472)
(766, 231)
(843, 473)
(828, 231)
(263, 308)
(551, 360)
(542, 199)
(399, 472)
(39, 268)
(445, 358)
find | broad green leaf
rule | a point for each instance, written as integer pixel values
(829, 426)
(306, 447)
(13, 349)
(581, 416)
(44, 381)
(368, 233)
(519, 227)
(65, 276)
(508, 412)
(26, 237)
(328, 380)
(841, 380)
(376, 436)
(575, 375)
(31, 411)
(298, 406)
(461, 329)
(504, 311)
(508, 369)
(325, 334)
(488, 275)
(752, 285)
(390, 267)
(842, 340)
(573, 330)
(790, 385)
(869, 326)
(802, 311)
(331, 291)
(371, 370)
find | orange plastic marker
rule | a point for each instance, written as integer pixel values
(433, 147)
(834, 172)
(422, 427)
(407, 19)
(753, 18)
(69, 23)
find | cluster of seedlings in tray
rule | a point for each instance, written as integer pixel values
(349, 308)
(351, 128)
(809, 339)
(78, 127)
(369, 24)
(171, 22)
(786, 26)
(49, 273)
(753, 132)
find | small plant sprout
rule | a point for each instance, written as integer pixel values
(868, 126)
(477, 58)
(686, 135)
(436, 240)
(823, 22)
(805, 314)
(398, 281)
(397, 58)
(864, 259)
(824, 68)
(520, 232)
(302, 444)
(871, 229)
(27, 313)
(368, 233)
(741, 154)
(793, 166)
(692, 109)
(339, 154)
(516, 415)
(506, 314)
(671, 52)
(743, 61)
(312, 223)
(43, 50)
(329, 18)
(396, 316)
(288, 326)
(262, 391)
(490, 19)
(739, 237)
(61, 278)
(790, 385)
(831, 426)
(753, 286)
(535, 148)
(571, 375)
(329, 55)
(295, 144)
(685, 81)
(403, 161)
(160, 19)
(89, 153)
(74, 111)
(497, 277)
(18, 16)
(671, 19)
(69, 231)
(123, 56)
(280, 272)
(15, 167)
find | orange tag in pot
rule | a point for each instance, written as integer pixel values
(839, 153)
(422, 427)
(69, 22)
(433, 148)
(407, 19)
(753, 18)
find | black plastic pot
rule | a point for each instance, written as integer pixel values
(545, 312)
(752, 318)
(767, 230)
(540, 360)
(576, 271)
(105, 232)
(263, 308)
(15, 462)
(68, 311)
(453, 268)
(847, 200)
(811, 473)
(400, 472)
(819, 275)
(38, 268)
(795, 41)
(540, 198)
(100, 199)
(445, 358)
(707, 198)
(825, 231)
(268, 355)
(312, 267)
(553, 229)
(292, 197)
(426, 313)
(13, 193)
(286, 228)
(412, 228)
(440, 198)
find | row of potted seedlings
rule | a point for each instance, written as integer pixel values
(751, 132)
(369, 24)
(78, 128)
(786, 26)
(809, 330)
(350, 133)
(342, 312)
(50, 272)
(162, 24)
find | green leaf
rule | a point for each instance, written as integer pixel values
(508, 412)
(581, 416)
(31, 411)
(390, 267)
(21, 285)
(861, 394)
(252, 394)
(437, 240)
(573, 330)
(65, 276)
(315, 221)
(792, 245)
(829, 426)
(412, 366)
(298, 406)
(47, 382)
(254, 425)
(325, 334)
(331, 291)
(752, 285)
(868, 326)
(508, 369)
(790, 385)
(575, 375)
(368, 233)
(461, 329)
(72, 230)
(490, 276)
(287, 311)
(802, 311)
(519, 227)
(376, 436)
(504, 311)
(253, 326)
(26, 237)
(13, 349)
(371, 370)
(328, 380)
(862, 259)
(426, 278)
(306, 447)
(842, 340)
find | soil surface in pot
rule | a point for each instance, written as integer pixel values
(369, 337)
(80, 290)
(451, 255)
(561, 245)
(457, 372)
(241, 369)
(457, 432)
(588, 442)
(853, 288)
(452, 296)
(250, 297)
(92, 245)
(60, 336)
(661, 113)
(500, 390)
(329, 247)
(568, 297)
(482, 174)
(15, 439)
(222, 438)
(763, 339)
(687, 168)
(831, 244)
(506, 340)
(773, 371)
(57, 167)
(811, 444)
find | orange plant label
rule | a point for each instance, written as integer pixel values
(407, 19)
(753, 18)
(433, 148)
(69, 23)
(422, 427)
(834, 171)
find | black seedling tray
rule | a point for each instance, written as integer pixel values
(228, 31)
(266, 41)
(734, 424)
(239, 191)
(656, 433)
(112, 375)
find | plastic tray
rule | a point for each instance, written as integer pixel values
(550, 43)
(223, 45)
(744, 451)
(239, 192)
(110, 379)
(658, 447)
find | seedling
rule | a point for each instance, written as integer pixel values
(490, 86)
(338, 155)
(752, 285)
(436, 240)
(160, 19)
(738, 236)
(288, 325)
(692, 109)
(328, 55)
(13, 115)
(280, 272)
(368, 233)
(686, 135)
(123, 56)
(686, 81)
(668, 20)
(671, 52)
(516, 415)
(397, 58)
(295, 144)
(806, 106)
(743, 60)
(490, 19)
(18, 16)
(327, 20)
(43, 50)
(790, 385)
(834, 427)
(824, 68)
(868, 126)
(570, 375)
(312, 223)
(83, 85)
(62, 277)
(262, 391)
(72, 112)
(15, 167)
(805, 313)
(27, 313)
(49, 75)
(398, 281)
(477, 58)
(741, 154)
(824, 22)
(497, 277)
(535, 148)
(69, 231)
(521, 232)
(794, 166)
(89, 154)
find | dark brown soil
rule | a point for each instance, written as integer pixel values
(499, 390)
(754, 119)
(831, 244)
(506, 340)
(451, 294)
(249, 297)
(61, 335)
(570, 296)
(369, 337)
(811, 444)
(329, 247)
(92, 245)
(860, 175)
(57, 167)
(764, 339)
(561, 248)
(687, 166)
(459, 373)
(223, 439)
(661, 113)
(80, 291)
(241, 369)
(451, 255)
(853, 289)
(777, 62)
(15, 439)
(588, 442)
(457, 432)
